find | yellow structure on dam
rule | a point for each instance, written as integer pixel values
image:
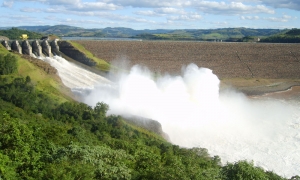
(24, 37)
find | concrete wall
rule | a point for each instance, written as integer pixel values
(47, 48)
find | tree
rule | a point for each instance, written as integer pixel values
(242, 170)
(100, 110)
(16, 142)
(8, 64)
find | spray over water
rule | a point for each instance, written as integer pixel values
(194, 113)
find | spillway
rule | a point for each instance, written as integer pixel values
(73, 76)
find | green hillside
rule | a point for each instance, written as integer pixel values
(291, 36)
(44, 134)
(100, 63)
(15, 33)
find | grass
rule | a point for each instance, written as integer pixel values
(50, 84)
(101, 64)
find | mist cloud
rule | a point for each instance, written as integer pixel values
(195, 113)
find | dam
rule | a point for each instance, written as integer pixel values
(33, 47)
(47, 48)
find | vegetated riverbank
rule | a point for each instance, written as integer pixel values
(253, 68)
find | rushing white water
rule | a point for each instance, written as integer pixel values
(193, 112)
(73, 76)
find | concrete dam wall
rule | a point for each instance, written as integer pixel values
(33, 47)
(37, 48)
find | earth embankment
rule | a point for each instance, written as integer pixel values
(254, 68)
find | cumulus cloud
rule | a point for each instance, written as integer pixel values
(169, 10)
(186, 17)
(284, 18)
(7, 4)
(249, 17)
(92, 6)
(30, 10)
(151, 3)
(147, 13)
(214, 7)
(161, 12)
(77, 5)
(180, 13)
(289, 4)
(53, 2)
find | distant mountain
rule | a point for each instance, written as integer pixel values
(224, 34)
(59, 30)
(64, 30)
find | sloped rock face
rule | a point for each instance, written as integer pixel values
(66, 48)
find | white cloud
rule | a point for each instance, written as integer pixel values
(147, 13)
(63, 2)
(30, 10)
(7, 4)
(289, 4)
(220, 23)
(284, 18)
(94, 6)
(77, 5)
(161, 12)
(185, 17)
(249, 17)
(53, 2)
(214, 7)
(169, 10)
(151, 3)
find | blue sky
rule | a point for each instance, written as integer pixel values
(152, 14)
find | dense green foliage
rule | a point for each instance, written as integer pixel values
(292, 36)
(43, 139)
(15, 33)
(8, 64)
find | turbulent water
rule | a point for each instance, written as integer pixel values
(73, 76)
(193, 112)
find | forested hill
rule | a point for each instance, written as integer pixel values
(15, 33)
(228, 34)
(291, 36)
(44, 134)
